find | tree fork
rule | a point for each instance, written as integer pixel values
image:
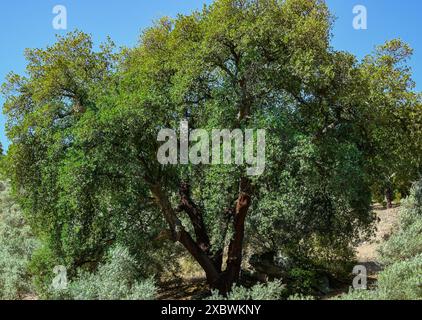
(195, 216)
(179, 234)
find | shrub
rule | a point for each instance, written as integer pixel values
(402, 280)
(16, 246)
(116, 279)
(302, 281)
(41, 267)
(273, 290)
(402, 255)
(407, 242)
(399, 281)
(143, 290)
(403, 245)
(360, 295)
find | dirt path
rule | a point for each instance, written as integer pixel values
(367, 255)
(186, 289)
(367, 252)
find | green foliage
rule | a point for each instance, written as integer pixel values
(302, 281)
(396, 160)
(399, 281)
(115, 279)
(84, 203)
(402, 280)
(41, 267)
(17, 244)
(273, 290)
(323, 208)
(83, 125)
(61, 82)
(359, 295)
(403, 245)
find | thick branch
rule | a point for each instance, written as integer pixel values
(200, 256)
(234, 259)
(195, 216)
(179, 233)
(163, 203)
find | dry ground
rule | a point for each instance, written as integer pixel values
(367, 252)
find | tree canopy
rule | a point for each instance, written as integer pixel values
(83, 125)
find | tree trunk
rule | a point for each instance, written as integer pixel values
(179, 234)
(200, 248)
(389, 197)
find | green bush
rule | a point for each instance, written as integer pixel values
(116, 279)
(16, 246)
(41, 267)
(399, 281)
(402, 280)
(403, 245)
(407, 241)
(402, 256)
(273, 290)
(360, 295)
(302, 281)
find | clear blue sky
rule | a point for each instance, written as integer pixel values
(28, 23)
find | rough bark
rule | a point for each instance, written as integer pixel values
(179, 234)
(234, 256)
(195, 216)
(200, 248)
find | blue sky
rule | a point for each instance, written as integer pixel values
(28, 24)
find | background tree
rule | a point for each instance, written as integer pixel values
(393, 111)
